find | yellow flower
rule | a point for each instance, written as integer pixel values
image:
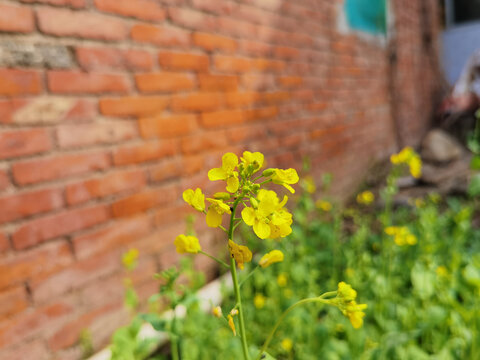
(255, 160)
(442, 271)
(401, 235)
(411, 158)
(270, 258)
(285, 177)
(287, 344)
(231, 323)
(282, 280)
(215, 212)
(365, 198)
(323, 205)
(309, 184)
(355, 314)
(346, 292)
(240, 253)
(187, 244)
(226, 172)
(196, 199)
(217, 311)
(129, 259)
(415, 166)
(268, 219)
(259, 301)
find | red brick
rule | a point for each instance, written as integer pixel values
(164, 82)
(210, 82)
(232, 64)
(20, 82)
(40, 261)
(263, 64)
(275, 97)
(4, 244)
(240, 99)
(35, 349)
(14, 18)
(20, 205)
(104, 186)
(259, 82)
(8, 108)
(91, 58)
(255, 48)
(120, 233)
(286, 52)
(192, 164)
(75, 276)
(167, 169)
(60, 166)
(213, 6)
(183, 61)
(133, 105)
(76, 82)
(64, 22)
(290, 81)
(43, 229)
(145, 200)
(142, 153)
(202, 101)
(193, 19)
(261, 113)
(222, 118)
(206, 141)
(167, 126)
(160, 35)
(212, 42)
(23, 142)
(105, 132)
(13, 301)
(73, 3)
(242, 29)
(142, 9)
(4, 181)
(139, 60)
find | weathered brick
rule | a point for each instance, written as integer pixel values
(15, 18)
(213, 6)
(202, 101)
(23, 142)
(73, 3)
(43, 229)
(290, 81)
(20, 82)
(286, 52)
(95, 58)
(183, 61)
(222, 118)
(261, 113)
(142, 9)
(256, 48)
(212, 42)
(76, 82)
(133, 105)
(120, 233)
(241, 99)
(35, 349)
(4, 243)
(13, 301)
(23, 54)
(160, 35)
(18, 206)
(275, 97)
(167, 126)
(192, 164)
(105, 132)
(207, 141)
(64, 22)
(211, 82)
(264, 64)
(193, 19)
(164, 170)
(164, 82)
(138, 60)
(258, 82)
(232, 63)
(146, 152)
(60, 166)
(104, 186)
(145, 200)
(42, 260)
(4, 180)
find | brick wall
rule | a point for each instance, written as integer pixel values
(110, 108)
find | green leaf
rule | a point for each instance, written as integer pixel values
(423, 281)
(155, 320)
(475, 163)
(474, 186)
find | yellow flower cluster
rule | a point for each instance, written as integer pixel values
(365, 198)
(411, 158)
(240, 253)
(259, 301)
(345, 301)
(323, 205)
(401, 235)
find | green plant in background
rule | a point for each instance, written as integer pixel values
(473, 143)
(266, 214)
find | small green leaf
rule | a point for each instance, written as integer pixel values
(475, 163)
(474, 186)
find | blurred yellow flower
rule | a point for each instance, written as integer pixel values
(259, 301)
(355, 314)
(309, 184)
(411, 158)
(187, 244)
(346, 303)
(196, 199)
(215, 212)
(129, 259)
(226, 172)
(346, 292)
(240, 253)
(282, 280)
(270, 258)
(442, 271)
(323, 205)
(255, 160)
(365, 198)
(286, 178)
(287, 344)
(401, 235)
(217, 311)
(231, 323)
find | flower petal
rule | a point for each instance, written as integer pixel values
(261, 229)
(232, 184)
(214, 219)
(217, 174)
(229, 162)
(248, 215)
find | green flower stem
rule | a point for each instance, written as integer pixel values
(319, 299)
(174, 339)
(215, 259)
(236, 287)
(248, 276)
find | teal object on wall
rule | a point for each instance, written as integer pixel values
(367, 15)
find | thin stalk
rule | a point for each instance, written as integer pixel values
(215, 259)
(236, 287)
(319, 299)
(174, 339)
(248, 276)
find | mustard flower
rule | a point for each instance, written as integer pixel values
(226, 172)
(215, 212)
(255, 160)
(442, 271)
(282, 280)
(287, 344)
(129, 259)
(270, 258)
(309, 184)
(323, 205)
(346, 303)
(401, 235)
(231, 323)
(196, 199)
(259, 301)
(240, 253)
(365, 198)
(415, 166)
(217, 311)
(411, 158)
(286, 178)
(268, 219)
(346, 292)
(187, 244)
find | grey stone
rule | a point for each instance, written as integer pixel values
(35, 55)
(448, 178)
(438, 146)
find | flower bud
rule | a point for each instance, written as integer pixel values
(268, 172)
